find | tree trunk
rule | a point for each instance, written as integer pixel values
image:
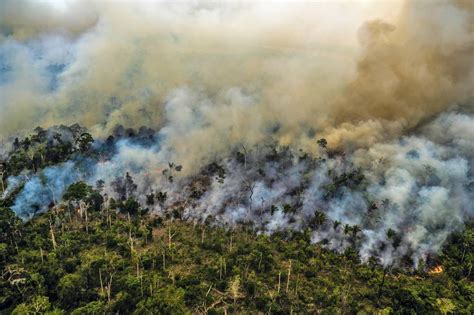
(130, 239)
(164, 260)
(101, 283)
(53, 239)
(245, 156)
(109, 288)
(381, 284)
(288, 279)
(87, 221)
(170, 238)
(279, 282)
(1, 180)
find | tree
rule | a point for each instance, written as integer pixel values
(77, 191)
(319, 219)
(92, 308)
(84, 142)
(16, 144)
(83, 195)
(9, 222)
(38, 305)
(130, 206)
(2, 174)
(169, 172)
(70, 290)
(99, 185)
(130, 185)
(355, 230)
(150, 199)
(288, 209)
(234, 290)
(322, 143)
(347, 229)
(167, 301)
(95, 200)
(161, 196)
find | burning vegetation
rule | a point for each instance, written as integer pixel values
(389, 210)
(436, 270)
(213, 158)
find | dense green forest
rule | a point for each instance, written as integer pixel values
(106, 261)
(88, 256)
(224, 157)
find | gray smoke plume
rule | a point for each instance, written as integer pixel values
(380, 81)
(41, 191)
(250, 70)
(395, 200)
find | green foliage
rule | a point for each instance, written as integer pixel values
(166, 301)
(129, 262)
(84, 142)
(70, 290)
(130, 206)
(81, 192)
(323, 143)
(46, 147)
(37, 305)
(77, 191)
(92, 308)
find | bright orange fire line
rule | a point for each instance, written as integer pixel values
(436, 270)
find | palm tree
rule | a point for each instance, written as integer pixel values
(319, 218)
(347, 229)
(355, 229)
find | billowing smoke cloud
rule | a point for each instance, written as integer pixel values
(394, 90)
(397, 200)
(300, 68)
(409, 71)
(23, 19)
(44, 190)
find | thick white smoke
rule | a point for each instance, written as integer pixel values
(389, 83)
(419, 187)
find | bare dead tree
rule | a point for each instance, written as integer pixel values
(109, 287)
(170, 237)
(2, 173)
(279, 282)
(53, 238)
(385, 271)
(245, 156)
(203, 233)
(251, 187)
(101, 283)
(288, 278)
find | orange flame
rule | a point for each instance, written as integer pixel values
(436, 270)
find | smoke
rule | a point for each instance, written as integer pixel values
(300, 68)
(390, 83)
(123, 61)
(23, 19)
(44, 190)
(427, 180)
(398, 200)
(415, 69)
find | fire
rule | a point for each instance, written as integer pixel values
(436, 270)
